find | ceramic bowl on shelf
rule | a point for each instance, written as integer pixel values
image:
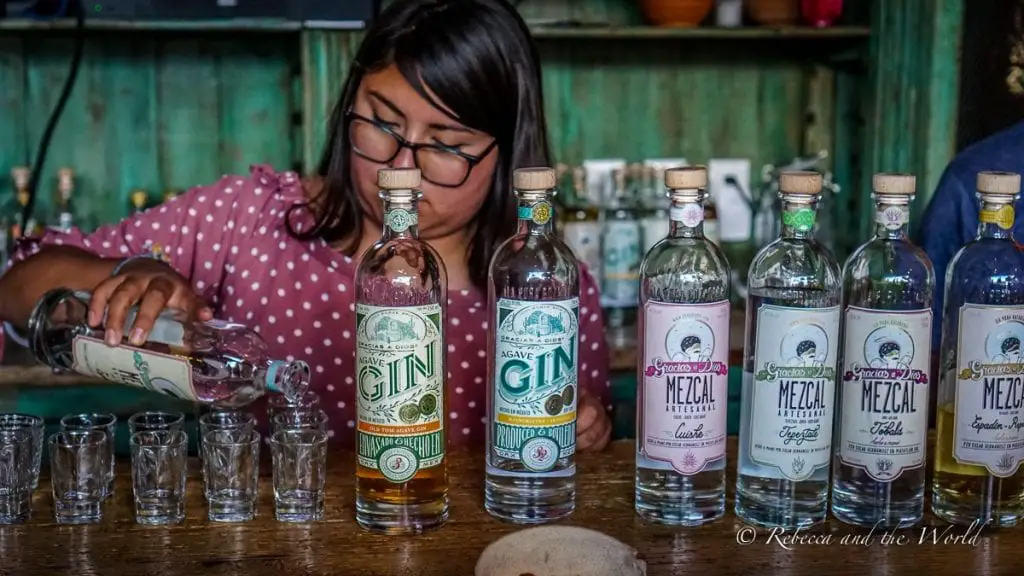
(676, 13)
(557, 551)
(774, 12)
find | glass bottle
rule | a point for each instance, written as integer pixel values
(789, 369)
(533, 345)
(882, 437)
(139, 199)
(21, 175)
(980, 410)
(65, 186)
(581, 229)
(213, 362)
(620, 247)
(682, 397)
(655, 222)
(401, 302)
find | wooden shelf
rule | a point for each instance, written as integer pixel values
(654, 32)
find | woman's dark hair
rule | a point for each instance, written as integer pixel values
(477, 57)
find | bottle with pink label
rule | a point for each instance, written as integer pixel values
(683, 367)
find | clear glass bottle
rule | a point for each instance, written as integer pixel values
(533, 345)
(620, 247)
(980, 410)
(65, 187)
(654, 225)
(683, 383)
(401, 305)
(214, 362)
(789, 369)
(581, 228)
(882, 434)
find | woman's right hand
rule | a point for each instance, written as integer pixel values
(153, 286)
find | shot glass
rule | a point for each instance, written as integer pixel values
(221, 420)
(106, 423)
(15, 475)
(307, 420)
(79, 467)
(159, 460)
(35, 426)
(231, 460)
(279, 403)
(144, 421)
(299, 469)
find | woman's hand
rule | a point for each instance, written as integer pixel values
(593, 426)
(151, 284)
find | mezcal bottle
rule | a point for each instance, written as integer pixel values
(980, 409)
(683, 375)
(533, 295)
(789, 369)
(888, 285)
(401, 300)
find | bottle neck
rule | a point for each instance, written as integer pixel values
(536, 214)
(798, 217)
(686, 217)
(995, 220)
(401, 218)
(892, 219)
(288, 378)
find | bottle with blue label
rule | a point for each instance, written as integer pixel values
(533, 343)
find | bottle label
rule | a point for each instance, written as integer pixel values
(621, 262)
(794, 389)
(539, 213)
(884, 420)
(400, 389)
(685, 384)
(535, 382)
(689, 214)
(163, 373)
(400, 219)
(1002, 216)
(801, 219)
(584, 238)
(990, 388)
(892, 217)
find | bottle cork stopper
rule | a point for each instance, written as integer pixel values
(894, 184)
(398, 178)
(686, 177)
(999, 183)
(800, 183)
(533, 179)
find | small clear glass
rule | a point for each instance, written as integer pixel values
(144, 421)
(15, 475)
(305, 402)
(224, 420)
(79, 467)
(159, 460)
(106, 423)
(312, 420)
(299, 469)
(36, 426)
(231, 460)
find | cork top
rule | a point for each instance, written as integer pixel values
(894, 184)
(398, 178)
(533, 179)
(686, 177)
(806, 183)
(999, 183)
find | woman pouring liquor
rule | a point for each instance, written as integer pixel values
(451, 87)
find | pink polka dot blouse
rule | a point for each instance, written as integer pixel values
(230, 240)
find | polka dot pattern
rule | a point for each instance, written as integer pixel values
(230, 239)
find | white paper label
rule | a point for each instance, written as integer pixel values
(794, 389)
(621, 261)
(170, 375)
(884, 428)
(584, 238)
(990, 388)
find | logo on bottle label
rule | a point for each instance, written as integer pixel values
(793, 389)
(1002, 217)
(535, 382)
(689, 214)
(621, 262)
(884, 427)
(801, 219)
(400, 389)
(400, 219)
(685, 384)
(163, 373)
(990, 388)
(892, 217)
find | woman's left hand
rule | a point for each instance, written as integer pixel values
(593, 426)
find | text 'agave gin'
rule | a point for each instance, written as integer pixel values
(683, 377)
(888, 286)
(401, 296)
(789, 369)
(980, 410)
(533, 296)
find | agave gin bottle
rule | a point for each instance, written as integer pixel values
(980, 410)
(401, 296)
(789, 369)
(533, 343)
(888, 286)
(683, 379)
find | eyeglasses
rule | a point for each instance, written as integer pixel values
(439, 164)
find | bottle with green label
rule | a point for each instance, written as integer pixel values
(533, 292)
(401, 296)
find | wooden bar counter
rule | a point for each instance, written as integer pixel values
(337, 546)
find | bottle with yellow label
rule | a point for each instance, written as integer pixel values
(979, 453)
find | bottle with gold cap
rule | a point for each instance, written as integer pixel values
(789, 369)
(979, 449)
(683, 388)
(401, 301)
(533, 344)
(885, 360)
(139, 199)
